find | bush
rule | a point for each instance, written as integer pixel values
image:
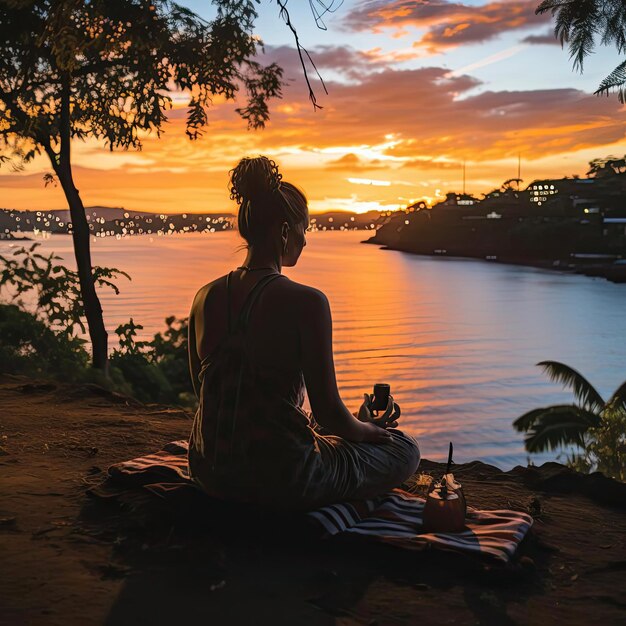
(45, 341)
(605, 449)
(54, 288)
(169, 349)
(29, 346)
(594, 428)
(141, 378)
(157, 370)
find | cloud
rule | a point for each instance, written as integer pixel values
(391, 116)
(424, 121)
(344, 60)
(377, 15)
(547, 38)
(447, 24)
(395, 56)
(352, 163)
(394, 116)
(432, 113)
(369, 181)
(429, 163)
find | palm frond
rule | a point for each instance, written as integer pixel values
(560, 425)
(618, 399)
(564, 15)
(563, 21)
(614, 22)
(525, 422)
(615, 80)
(584, 21)
(584, 391)
(550, 5)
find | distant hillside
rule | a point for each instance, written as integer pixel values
(117, 221)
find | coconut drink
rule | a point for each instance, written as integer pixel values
(445, 507)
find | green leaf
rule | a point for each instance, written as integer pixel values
(618, 399)
(560, 425)
(584, 391)
(527, 421)
(580, 23)
(615, 80)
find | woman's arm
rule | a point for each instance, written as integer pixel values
(319, 372)
(194, 359)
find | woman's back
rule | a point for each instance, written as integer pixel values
(272, 330)
(250, 418)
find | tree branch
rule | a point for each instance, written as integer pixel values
(284, 13)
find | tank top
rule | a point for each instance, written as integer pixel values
(249, 430)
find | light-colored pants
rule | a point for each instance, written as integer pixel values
(343, 470)
(328, 469)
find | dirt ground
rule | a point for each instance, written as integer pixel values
(67, 560)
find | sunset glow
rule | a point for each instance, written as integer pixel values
(415, 90)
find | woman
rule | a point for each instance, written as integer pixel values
(255, 339)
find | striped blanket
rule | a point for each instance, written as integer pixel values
(394, 518)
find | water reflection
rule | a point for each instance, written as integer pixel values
(456, 339)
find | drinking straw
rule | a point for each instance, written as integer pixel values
(449, 459)
(444, 480)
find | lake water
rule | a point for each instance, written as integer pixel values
(456, 339)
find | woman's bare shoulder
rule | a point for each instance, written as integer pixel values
(299, 293)
(202, 294)
(290, 292)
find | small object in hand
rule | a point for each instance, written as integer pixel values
(381, 396)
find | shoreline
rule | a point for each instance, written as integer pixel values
(609, 271)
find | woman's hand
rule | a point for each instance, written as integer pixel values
(389, 419)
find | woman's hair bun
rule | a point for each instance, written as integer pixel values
(254, 178)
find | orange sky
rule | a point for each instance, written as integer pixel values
(410, 98)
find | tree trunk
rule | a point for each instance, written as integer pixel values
(62, 164)
(82, 252)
